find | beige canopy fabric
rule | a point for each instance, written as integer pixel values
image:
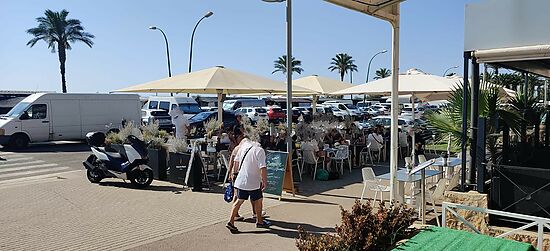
(321, 85)
(215, 80)
(424, 86)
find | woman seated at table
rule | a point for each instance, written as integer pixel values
(334, 138)
(376, 140)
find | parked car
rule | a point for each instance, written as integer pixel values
(234, 104)
(208, 108)
(305, 112)
(275, 114)
(61, 116)
(162, 117)
(197, 122)
(339, 114)
(407, 112)
(254, 113)
(349, 109)
(187, 105)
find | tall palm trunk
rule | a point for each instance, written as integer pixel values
(62, 58)
(342, 74)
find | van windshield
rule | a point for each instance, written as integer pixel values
(228, 105)
(190, 108)
(350, 106)
(18, 109)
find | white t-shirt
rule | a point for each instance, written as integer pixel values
(249, 177)
(376, 140)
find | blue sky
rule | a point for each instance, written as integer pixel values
(247, 35)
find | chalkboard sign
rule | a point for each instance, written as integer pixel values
(276, 166)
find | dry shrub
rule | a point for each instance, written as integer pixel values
(363, 228)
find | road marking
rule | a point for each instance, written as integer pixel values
(17, 182)
(11, 169)
(16, 160)
(32, 172)
(2, 166)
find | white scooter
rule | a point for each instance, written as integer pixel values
(127, 163)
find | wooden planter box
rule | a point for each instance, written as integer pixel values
(157, 162)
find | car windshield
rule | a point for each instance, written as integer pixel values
(349, 106)
(277, 109)
(18, 109)
(260, 110)
(190, 108)
(201, 116)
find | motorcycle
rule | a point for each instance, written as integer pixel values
(129, 162)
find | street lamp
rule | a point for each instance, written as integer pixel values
(368, 69)
(445, 73)
(207, 15)
(288, 70)
(167, 50)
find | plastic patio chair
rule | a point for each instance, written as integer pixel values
(438, 194)
(299, 162)
(373, 184)
(310, 158)
(342, 154)
(224, 159)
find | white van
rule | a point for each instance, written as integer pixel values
(54, 116)
(234, 104)
(187, 105)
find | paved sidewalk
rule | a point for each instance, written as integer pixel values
(319, 213)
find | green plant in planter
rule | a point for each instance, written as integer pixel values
(150, 130)
(129, 129)
(113, 138)
(211, 126)
(176, 145)
(363, 228)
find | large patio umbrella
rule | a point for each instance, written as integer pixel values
(320, 86)
(216, 80)
(415, 82)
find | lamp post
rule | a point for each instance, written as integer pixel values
(167, 50)
(288, 70)
(207, 15)
(368, 71)
(445, 73)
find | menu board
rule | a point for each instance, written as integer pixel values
(276, 167)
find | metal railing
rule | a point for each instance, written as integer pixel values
(540, 222)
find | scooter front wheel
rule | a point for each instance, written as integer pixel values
(142, 178)
(94, 175)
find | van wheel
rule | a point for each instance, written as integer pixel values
(19, 141)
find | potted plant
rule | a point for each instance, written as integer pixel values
(156, 149)
(178, 159)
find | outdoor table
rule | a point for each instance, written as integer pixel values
(404, 177)
(451, 163)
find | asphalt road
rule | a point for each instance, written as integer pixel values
(42, 160)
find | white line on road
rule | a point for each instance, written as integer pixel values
(3, 170)
(33, 172)
(2, 166)
(15, 160)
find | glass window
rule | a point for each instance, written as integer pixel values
(342, 107)
(260, 110)
(174, 106)
(38, 111)
(350, 106)
(164, 105)
(190, 108)
(17, 110)
(153, 104)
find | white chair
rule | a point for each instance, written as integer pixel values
(311, 159)
(437, 194)
(365, 155)
(421, 158)
(374, 148)
(403, 143)
(373, 184)
(342, 154)
(224, 159)
(299, 162)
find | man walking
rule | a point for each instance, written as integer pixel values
(250, 182)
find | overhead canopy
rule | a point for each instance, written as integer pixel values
(215, 80)
(534, 59)
(424, 86)
(383, 9)
(321, 85)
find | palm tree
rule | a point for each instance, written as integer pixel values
(449, 120)
(382, 73)
(343, 63)
(280, 65)
(58, 32)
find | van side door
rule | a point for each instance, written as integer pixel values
(35, 121)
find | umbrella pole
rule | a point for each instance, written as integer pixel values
(220, 108)
(413, 141)
(314, 105)
(394, 194)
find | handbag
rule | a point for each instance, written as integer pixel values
(228, 194)
(229, 191)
